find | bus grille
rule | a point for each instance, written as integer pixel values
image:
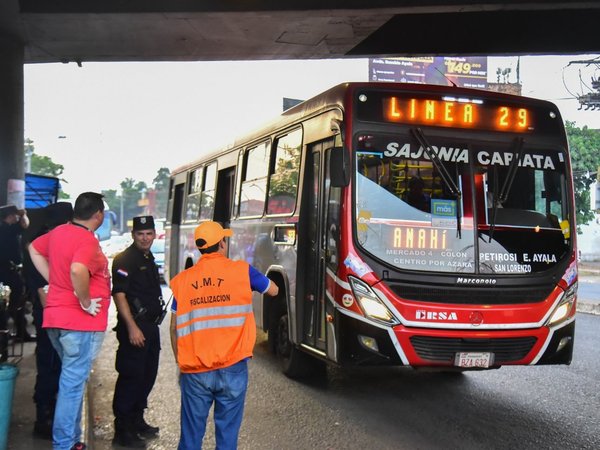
(498, 295)
(444, 349)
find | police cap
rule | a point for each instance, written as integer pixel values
(143, 223)
(7, 210)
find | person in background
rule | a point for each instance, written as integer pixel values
(416, 194)
(138, 296)
(76, 313)
(47, 360)
(12, 223)
(213, 333)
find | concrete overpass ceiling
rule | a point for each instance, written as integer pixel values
(192, 30)
(486, 33)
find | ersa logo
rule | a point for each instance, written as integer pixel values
(436, 315)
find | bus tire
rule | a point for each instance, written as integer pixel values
(294, 362)
(272, 331)
(275, 309)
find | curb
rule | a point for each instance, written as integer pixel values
(588, 308)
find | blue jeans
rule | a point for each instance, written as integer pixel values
(77, 350)
(227, 389)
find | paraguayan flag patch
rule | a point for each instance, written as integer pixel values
(122, 272)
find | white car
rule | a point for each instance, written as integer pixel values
(158, 250)
(116, 244)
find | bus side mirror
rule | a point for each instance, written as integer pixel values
(339, 167)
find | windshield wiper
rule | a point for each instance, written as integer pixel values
(437, 162)
(495, 204)
(439, 165)
(512, 169)
(500, 198)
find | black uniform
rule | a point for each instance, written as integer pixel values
(47, 361)
(136, 275)
(10, 259)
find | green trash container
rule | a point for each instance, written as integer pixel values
(8, 375)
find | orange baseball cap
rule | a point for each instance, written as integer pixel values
(211, 233)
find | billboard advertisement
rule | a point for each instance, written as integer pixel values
(463, 71)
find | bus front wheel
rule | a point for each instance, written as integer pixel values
(294, 363)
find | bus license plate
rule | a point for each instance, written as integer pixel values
(473, 359)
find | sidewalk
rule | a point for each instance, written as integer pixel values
(23, 411)
(589, 272)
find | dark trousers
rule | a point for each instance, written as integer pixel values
(3, 332)
(12, 278)
(137, 368)
(48, 368)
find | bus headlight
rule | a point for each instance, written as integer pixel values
(563, 310)
(369, 302)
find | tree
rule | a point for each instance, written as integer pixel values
(161, 187)
(112, 199)
(132, 192)
(114, 204)
(584, 144)
(42, 165)
(134, 198)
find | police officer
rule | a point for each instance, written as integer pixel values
(137, 294)
(12, 223)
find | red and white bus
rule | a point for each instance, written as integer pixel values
(405, 224)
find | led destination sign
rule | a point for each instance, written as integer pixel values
(419, 238)
(426, 248)
(456, 112)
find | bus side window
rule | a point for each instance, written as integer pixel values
(207, 198)
(254, 184)
(192, 202)
(238, 183)
(284, 174)
(333, 218)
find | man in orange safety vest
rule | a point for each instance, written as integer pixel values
(213, 333)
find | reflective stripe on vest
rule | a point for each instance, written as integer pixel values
(212, 323)
(215, 321)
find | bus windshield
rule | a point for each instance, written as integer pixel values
(509, 215)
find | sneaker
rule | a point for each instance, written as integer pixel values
(129, 439)
(79, 446)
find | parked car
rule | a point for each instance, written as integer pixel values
(158, 250)
(116, 244)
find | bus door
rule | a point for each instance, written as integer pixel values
(316, 187)
(174, 215)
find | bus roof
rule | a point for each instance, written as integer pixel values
(334, 98)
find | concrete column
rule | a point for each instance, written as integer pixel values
(11, 114)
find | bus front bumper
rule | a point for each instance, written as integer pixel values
(365, 343)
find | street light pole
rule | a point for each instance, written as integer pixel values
(121, 212)
(120, 193)
(28, 155)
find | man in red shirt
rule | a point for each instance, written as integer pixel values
(76, 313)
